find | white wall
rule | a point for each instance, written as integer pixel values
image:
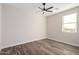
(54, 28)
(0, 26)
(21, 26)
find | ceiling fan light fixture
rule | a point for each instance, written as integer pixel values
(44, 11)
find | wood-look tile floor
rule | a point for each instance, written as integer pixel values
(43, 47)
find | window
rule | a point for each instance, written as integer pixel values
(69, 23)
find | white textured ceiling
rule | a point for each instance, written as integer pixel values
(34, 6)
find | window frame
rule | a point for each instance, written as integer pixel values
(64, 23)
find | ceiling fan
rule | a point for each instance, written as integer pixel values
(44, 9)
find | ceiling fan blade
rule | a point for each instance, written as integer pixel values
(40, 8)
(49, 8)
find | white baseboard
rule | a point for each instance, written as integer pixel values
(64, 42)
(21, 43)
